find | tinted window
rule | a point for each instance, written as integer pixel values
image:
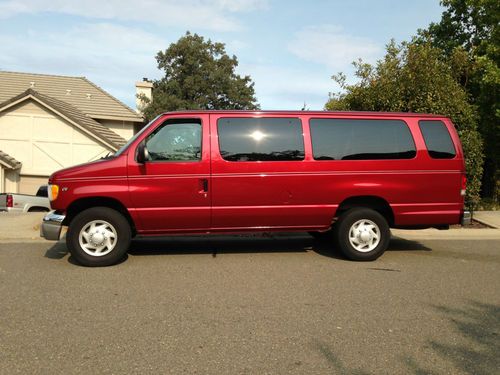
(345, 139)
(260, 139)
(437, 139)
(175, 140)
(42, 191)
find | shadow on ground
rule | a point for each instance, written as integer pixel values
(334, 361)
(472, 349)
(258, 243)
(400, 244)
(476, 350)
(243, 244)
(57, 251)
(236, 244)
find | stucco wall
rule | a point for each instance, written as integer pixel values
(2, 179)
(44, 142)
(11, 181)
(123, 128)
(30, 184)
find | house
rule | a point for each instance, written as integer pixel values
(49, 122)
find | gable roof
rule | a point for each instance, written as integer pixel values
(9, 161)
(84, 95)
(71, 114)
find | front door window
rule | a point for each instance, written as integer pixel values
(178, 141)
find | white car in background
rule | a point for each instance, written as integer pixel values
(26, 203)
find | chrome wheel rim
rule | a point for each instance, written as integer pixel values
(98, 238)
(364, 235)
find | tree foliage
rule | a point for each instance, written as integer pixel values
(199, 75)
(414, 77)
(470, 29)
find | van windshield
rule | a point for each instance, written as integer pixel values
(131, 140)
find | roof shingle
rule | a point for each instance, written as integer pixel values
(87, 97)
(73, 114)
(9, 161)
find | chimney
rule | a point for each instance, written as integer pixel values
(146, 88)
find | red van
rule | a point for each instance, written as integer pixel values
(352, 174)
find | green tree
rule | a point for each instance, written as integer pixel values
(415, 77)
(470, 28)
(198, 75)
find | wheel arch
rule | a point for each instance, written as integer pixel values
(82, 204)
(373, 202)
(37, 209)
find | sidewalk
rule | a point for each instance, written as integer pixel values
(489, 218)
(20, 226)
(26, 227)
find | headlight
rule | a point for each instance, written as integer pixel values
(53, 191)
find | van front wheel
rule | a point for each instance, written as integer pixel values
(98, 236)
(362, 234)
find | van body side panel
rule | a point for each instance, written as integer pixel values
(210, 194)
(292, 194)
(264, 194)
(275, 202)
(169, 196)
(420, 191)
(437, 198)
(98, 179)
(411, 204)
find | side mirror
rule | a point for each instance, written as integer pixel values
(142, 154)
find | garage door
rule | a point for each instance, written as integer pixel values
(30, 184)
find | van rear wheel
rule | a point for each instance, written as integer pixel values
(98, 236)
(362, 234)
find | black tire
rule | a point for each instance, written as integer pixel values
(112, 223)
(360, 217)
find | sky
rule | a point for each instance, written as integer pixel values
(289, 48)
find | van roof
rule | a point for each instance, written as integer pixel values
(318, 113)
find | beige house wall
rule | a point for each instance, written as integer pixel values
(43, 142)
(2, 179)
(30, 184)
(11, 181)
(122, 128)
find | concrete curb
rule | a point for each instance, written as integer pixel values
(450, 234)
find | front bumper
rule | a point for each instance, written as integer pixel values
(51, 226)
(466, 218)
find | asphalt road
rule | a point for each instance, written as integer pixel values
(245, 305)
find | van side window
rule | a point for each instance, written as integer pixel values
(361, 139)
(260, 139)
(437, 139)
(175, 140)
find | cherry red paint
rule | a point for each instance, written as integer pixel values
(215, 195)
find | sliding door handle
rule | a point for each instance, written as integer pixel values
(203, 188)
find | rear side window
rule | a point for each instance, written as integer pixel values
(260, 139)
(42, 191)
(353, 139)
(437, 139)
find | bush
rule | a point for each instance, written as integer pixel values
(414, 77)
